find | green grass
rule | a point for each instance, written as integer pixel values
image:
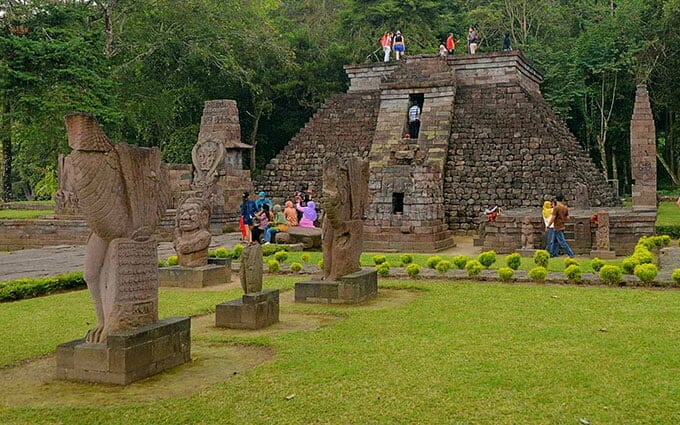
(458, 354)
(23, 214)
(668, 214)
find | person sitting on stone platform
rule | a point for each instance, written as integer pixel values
(291, 214)
(308, 214)
(279, 224)
(261, 222)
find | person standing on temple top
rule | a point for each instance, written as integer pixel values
(451, 44)
(398, 45)
(473, 40)
(414, 120)
(507, 45)
(560, 214)
(386, 44)
(248, 210)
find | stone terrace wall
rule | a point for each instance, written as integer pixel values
(508, 148)
(343, 125)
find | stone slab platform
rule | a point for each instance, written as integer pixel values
(127, 356)
(194, 277)
(251, 311)
(350, 289)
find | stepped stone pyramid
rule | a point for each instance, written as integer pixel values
(487, 138)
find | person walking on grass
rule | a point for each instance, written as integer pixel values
(559, 216)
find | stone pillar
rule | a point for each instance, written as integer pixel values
(643, 151)
(602, 237)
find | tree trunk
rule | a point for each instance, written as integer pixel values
(253, 136)
(6, 136)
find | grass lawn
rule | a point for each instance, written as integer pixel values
(460, 353)
(668, 214)
(23, 214)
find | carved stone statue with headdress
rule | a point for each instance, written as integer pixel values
(345, 196)
(121, 195)
(192, 235)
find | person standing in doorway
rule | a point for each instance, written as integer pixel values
(414, 120)
(398, 46)
(559, 216)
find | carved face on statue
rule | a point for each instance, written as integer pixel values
(192, 216)
(207, 153)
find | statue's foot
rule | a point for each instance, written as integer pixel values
(95, 335)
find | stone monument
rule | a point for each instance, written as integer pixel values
(345, 194)
(528, 239)
(643, 151)
(602, 250)
(120, 194)
(192, 235)
(257, 308)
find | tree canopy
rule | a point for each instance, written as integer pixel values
(145, 67)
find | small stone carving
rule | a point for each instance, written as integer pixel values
(345, 195)
(581, 196)
(602, 232)
(65, 200)
(206, 157)
(192, 235)
(528, 237)
(122, 198)
(251, 269)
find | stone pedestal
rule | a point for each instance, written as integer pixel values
(602, 254)
(127, 356)
(253, 311)
(350, 289)
(194, 277)
(309, 237)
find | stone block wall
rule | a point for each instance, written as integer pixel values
(344, 125)
(508, 148)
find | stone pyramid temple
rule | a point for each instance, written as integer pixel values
(487, 138)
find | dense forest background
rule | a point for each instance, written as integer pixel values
(145, 67)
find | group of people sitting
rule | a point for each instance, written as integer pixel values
(260, 219)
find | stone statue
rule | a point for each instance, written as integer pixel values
(528, 237)
(65, 199)
(192, 236)
(251, 268)
(206, 157)
(121, 196)
(345, 195)
(602, 232)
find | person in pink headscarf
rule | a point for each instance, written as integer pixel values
(308, 214)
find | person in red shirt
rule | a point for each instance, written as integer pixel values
(451, 44)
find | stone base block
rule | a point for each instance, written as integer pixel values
(309, 237)
(194, 277)
(603, 255)
(252, 311)
(350, 289)
(127, 356)
(526, 252)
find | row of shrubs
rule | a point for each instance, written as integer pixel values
(640, 263)
(19, 289)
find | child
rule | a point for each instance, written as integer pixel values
(442, 51)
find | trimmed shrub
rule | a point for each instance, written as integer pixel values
(18, 289)
(597, 264)
(406, 258)
(573, 273)
(513, 261)
(443, 266)
(268, 250)
(538, 274)
(379, 259)
(212, 253)
(320, 264)
(305, 257)
(433, 261)
(237, 251)
(643, 255)
(487, 258)
(460, 261)
(646, 272)
(162, 263)
(172, 260)
(281, 256)
(629, 264)
(383, 269)
(505, 274)
(273, 266)
(473, 267)
(295, 267)
(676, 277)
(541, 258)
(570, 262)
(222, 252)
(610, 274)
(414, 269)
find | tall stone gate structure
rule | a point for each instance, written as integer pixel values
(487, 138)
